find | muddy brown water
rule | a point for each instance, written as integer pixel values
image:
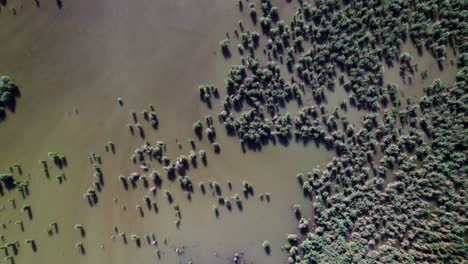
(71, 65)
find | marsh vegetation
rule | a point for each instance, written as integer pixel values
(341, 125)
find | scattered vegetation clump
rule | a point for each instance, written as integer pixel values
(148, 152)
(31, 242)
(8, 181)
(91, 196)
(197, 127)
(224, 44)
(266, 246)
(395, 190)
(207, 92)
(355, 38)
(216, 211)
(186, 183)
(168, 195)
(8, 92)
(81, 229)
(59, 160)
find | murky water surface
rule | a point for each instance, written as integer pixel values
(72, 64)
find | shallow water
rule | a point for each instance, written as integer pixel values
(71, 65)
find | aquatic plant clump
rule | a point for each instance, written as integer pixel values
(8, 181)
(8, 92)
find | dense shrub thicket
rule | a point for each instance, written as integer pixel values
(328, 43)
(419, 217)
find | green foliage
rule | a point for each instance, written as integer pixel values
(8, 90)
(421, 210)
